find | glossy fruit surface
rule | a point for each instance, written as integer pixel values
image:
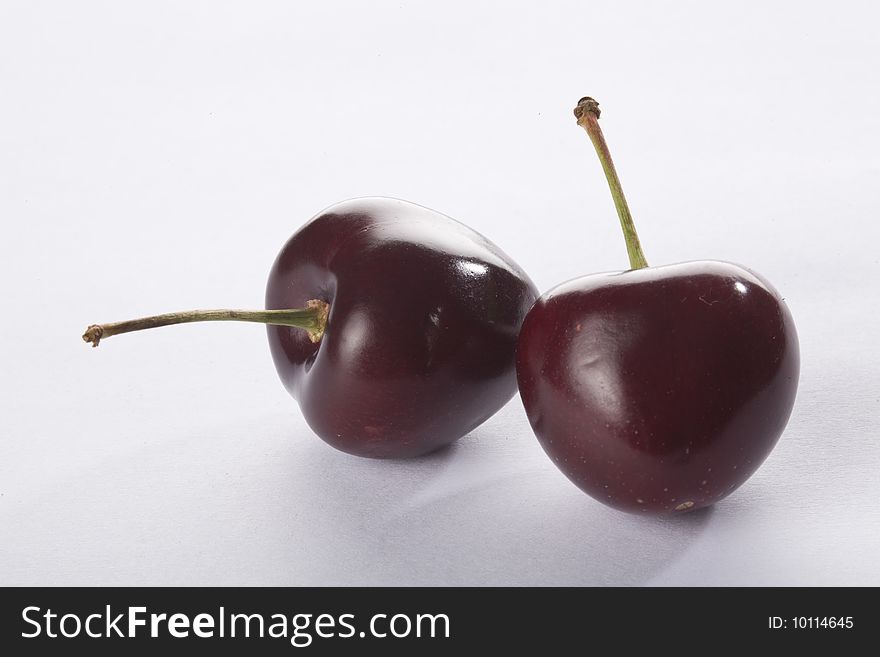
(419, 344)
(662, 388)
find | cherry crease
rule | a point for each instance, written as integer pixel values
(419, 345)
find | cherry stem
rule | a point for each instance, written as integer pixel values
(312, 319)
(587, 114)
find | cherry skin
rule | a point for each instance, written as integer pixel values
(418, 348)
(659, 389)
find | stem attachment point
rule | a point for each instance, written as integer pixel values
(322, 312)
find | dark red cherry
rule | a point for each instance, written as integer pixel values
(420, 340)
(658, 389)
(410, 319)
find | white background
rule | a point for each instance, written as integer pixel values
(154, 156)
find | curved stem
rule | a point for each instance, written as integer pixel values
(587, 114)
(312, 319)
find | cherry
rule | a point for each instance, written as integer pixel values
(658, 389)
(410, 323)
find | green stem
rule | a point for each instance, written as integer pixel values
(312, 319)
(587, 114)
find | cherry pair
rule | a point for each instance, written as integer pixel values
(399, 330)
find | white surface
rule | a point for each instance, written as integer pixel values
(154, 157)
